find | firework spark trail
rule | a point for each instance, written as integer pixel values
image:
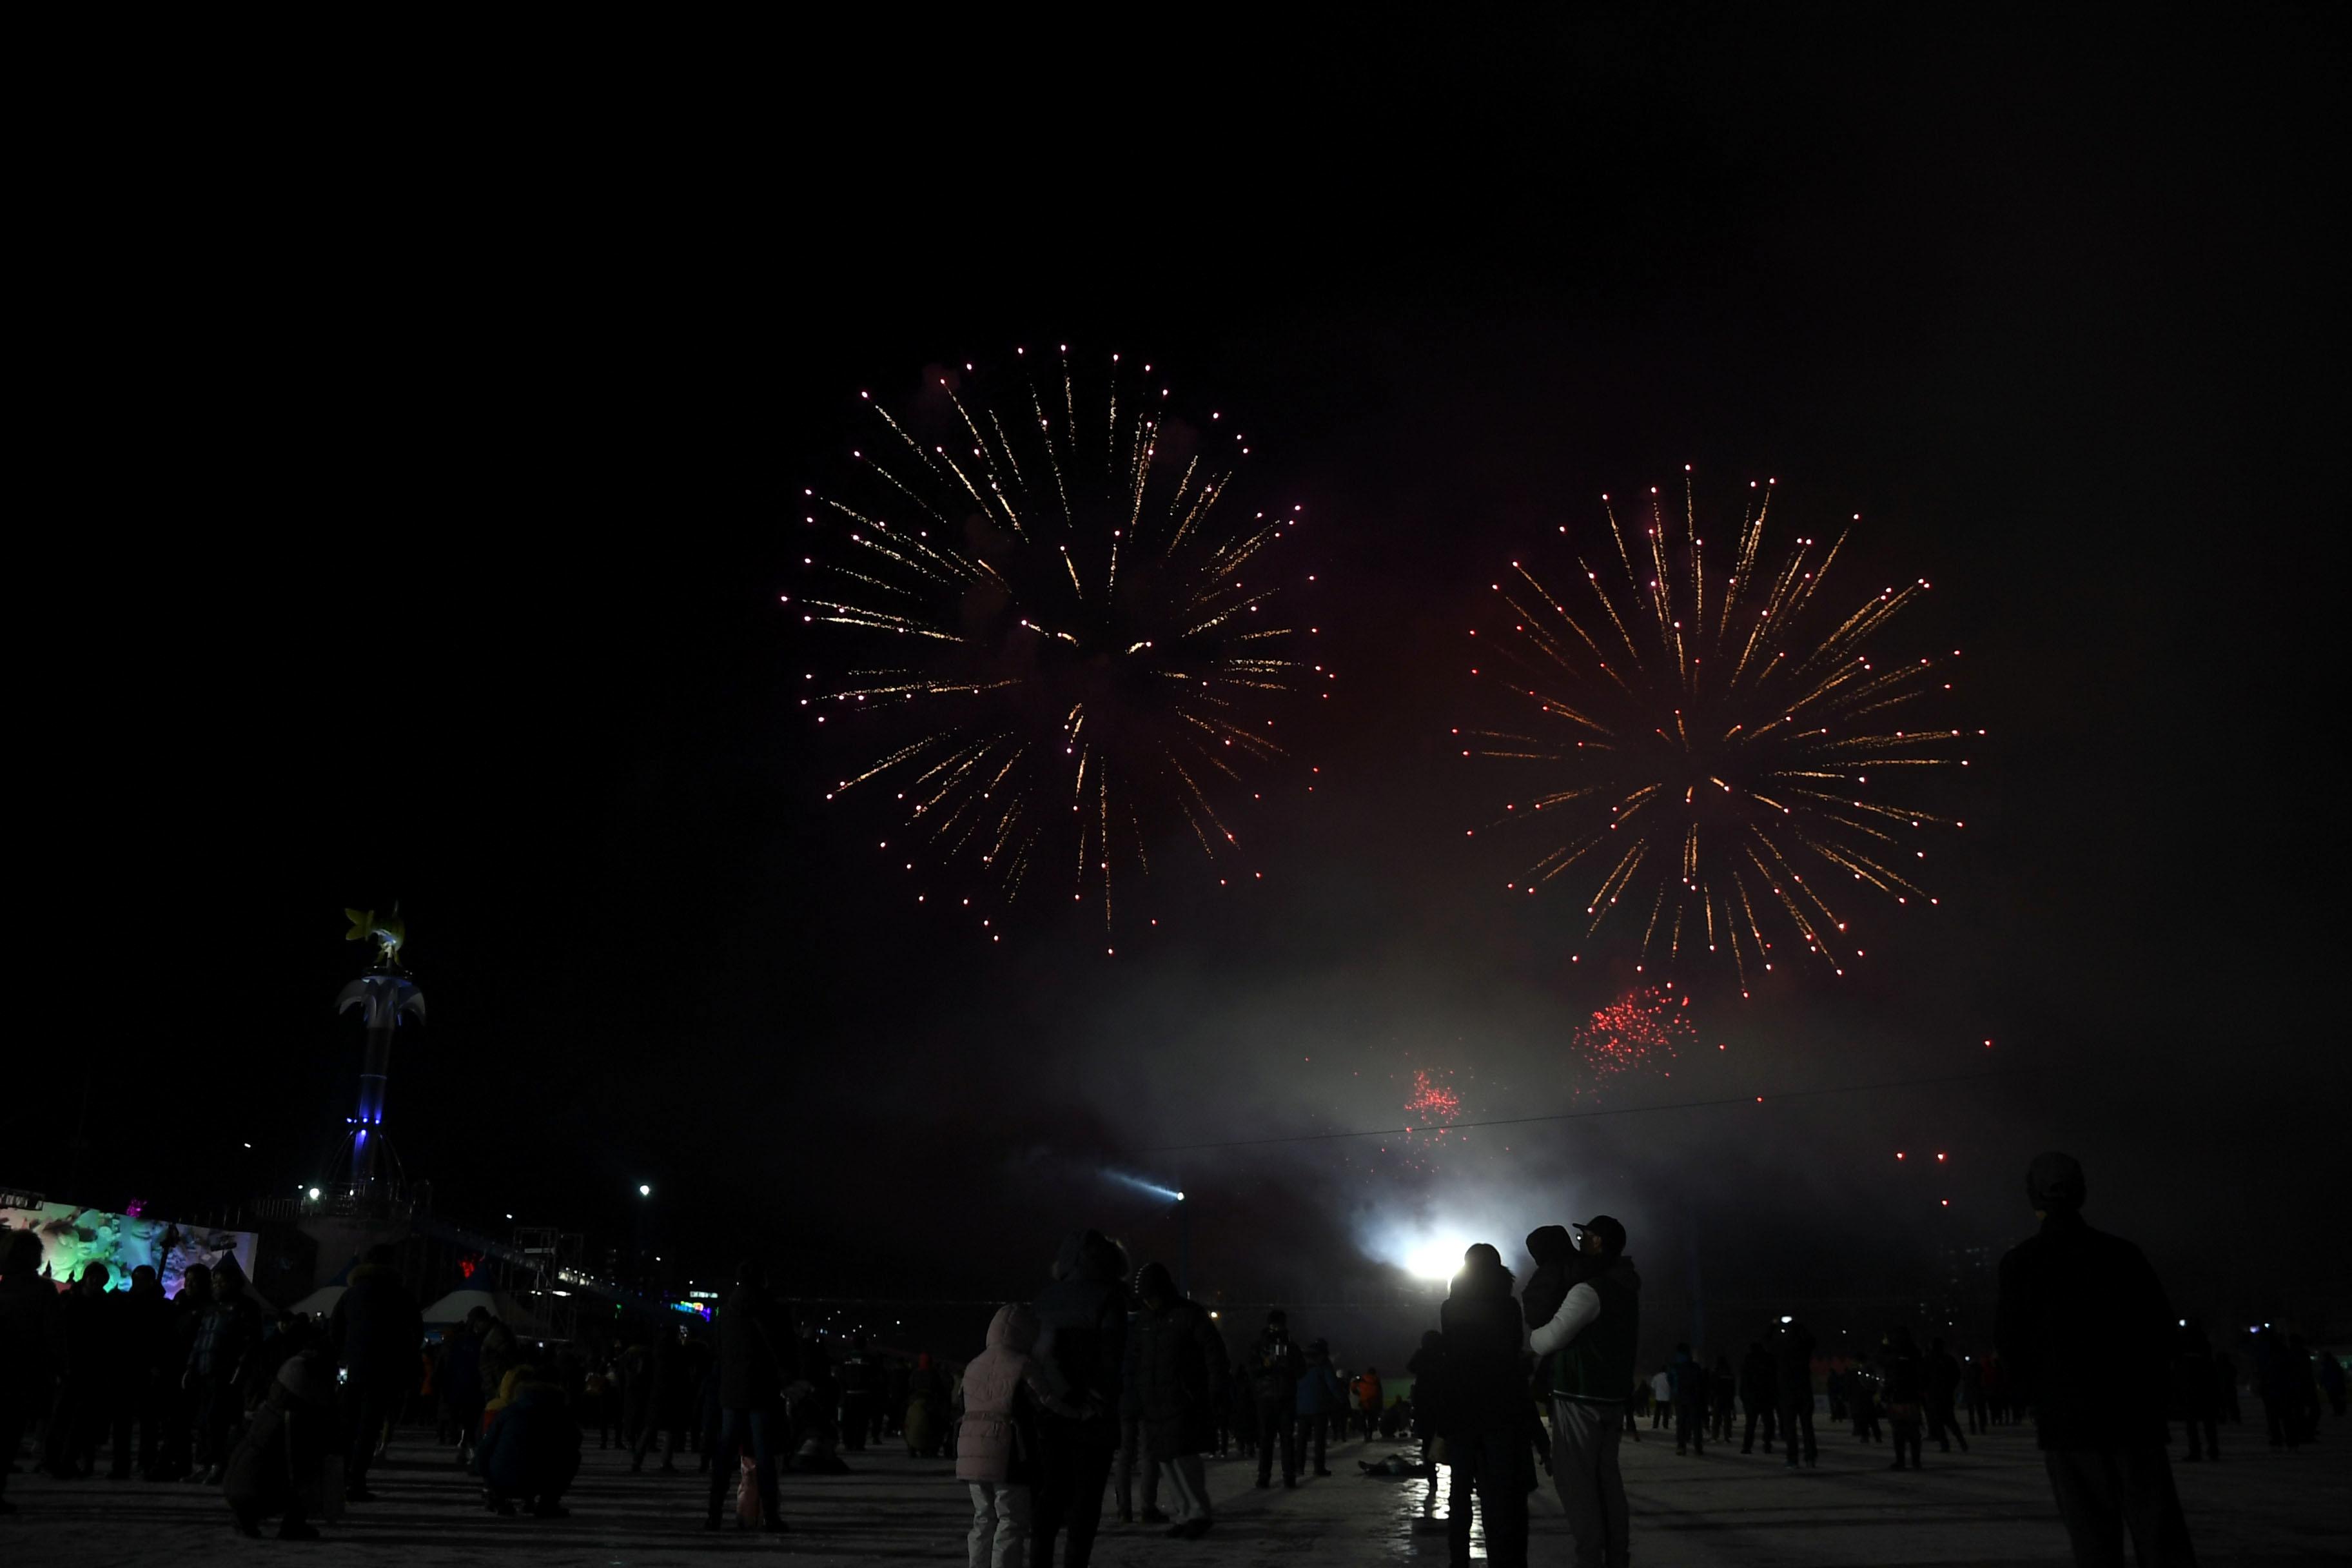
(1063, 595)
(1705, 726)
(1643, 1028)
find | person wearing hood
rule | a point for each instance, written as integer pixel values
(1793, 1363)
(1174, 1379)
(1486, 1414)
(1082, 1344)
(1004, 1388)
(530, 1451)
(1591, 1340)
(1322, 1404)
(376, 1327)
(1275, 1365)
(276, 1466)
(2080, 1316)
(757, 1358)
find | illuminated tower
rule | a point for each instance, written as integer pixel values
(384, 995)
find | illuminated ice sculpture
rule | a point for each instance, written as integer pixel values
(383, 995)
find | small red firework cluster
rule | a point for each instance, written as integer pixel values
(1640, 1030)
(1432, 1104)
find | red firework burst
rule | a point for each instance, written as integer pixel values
(1432, 1104)
(1642, 1029)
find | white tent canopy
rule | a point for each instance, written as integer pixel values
(454, 1307)
(318, 1304)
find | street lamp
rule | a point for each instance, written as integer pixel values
(644, 1190)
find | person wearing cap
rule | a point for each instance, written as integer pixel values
(1591, 1340)
(2081, 1315)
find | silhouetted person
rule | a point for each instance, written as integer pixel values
(1175, 1381)
(1589, 1343)
(1723, 1398)
(1274, 1369)
(1862, 1404)
(1758, 1396)
(26, 1300)
(1972, 1394)
(757, 1357)
(1691, 1396)
(84, 1339)
(1793, 1362)
(1907, 1394)
(2331, 1382)
(861, 1394)
(1487, 1409)
(1942, 1369)
(667, 1402)
(2082, 1320)
(278, 1462)
(1322, 1404)
(2196, 1392)
(376, 1329)
(1082, 1342)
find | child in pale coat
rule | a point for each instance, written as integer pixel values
(996, 1443)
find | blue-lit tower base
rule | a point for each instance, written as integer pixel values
(369, 1169)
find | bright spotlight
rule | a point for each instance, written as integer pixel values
(644, 1190)
(1141, 1186)
(1434, 1260)
(314, 1195)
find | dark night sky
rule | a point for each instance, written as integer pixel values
(452, 497)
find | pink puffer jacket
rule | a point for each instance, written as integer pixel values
(1003, 1389)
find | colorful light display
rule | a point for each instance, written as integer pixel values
(73, 1237)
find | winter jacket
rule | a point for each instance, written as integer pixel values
(1082, 1329)
(1758, 1383)
(2082, 1316)
(377, 1324)
(1176, 1377)
(1320, 1391)
(1487, 1389)
(758, 1352)
(1427, 1370)
(1905, 1379)
(1594, 1334)
(1275, 1367)
(1367, 1393)
(1003, 1387)
(499, 1353)
(532, 1446)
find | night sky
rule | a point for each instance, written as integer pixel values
(451, 498)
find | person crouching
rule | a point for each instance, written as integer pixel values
(530, 1451)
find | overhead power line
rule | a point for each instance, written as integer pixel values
(1587, 1114)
